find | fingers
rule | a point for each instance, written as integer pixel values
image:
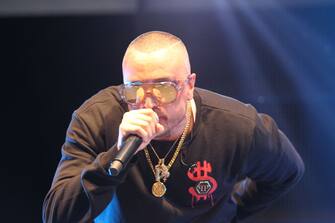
(142, 128)
(159, 128)
(147, 111)
(141, 122)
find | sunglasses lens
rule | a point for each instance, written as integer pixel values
(164, 93)
(130, 94)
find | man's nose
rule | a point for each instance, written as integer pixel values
(149, 102)
(145, 98)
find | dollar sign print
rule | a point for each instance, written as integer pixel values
(205, 185)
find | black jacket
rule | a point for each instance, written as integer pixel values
(234, 163)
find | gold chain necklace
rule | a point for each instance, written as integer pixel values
(166, 155)
(161, 171)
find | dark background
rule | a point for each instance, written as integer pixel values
(281, 59)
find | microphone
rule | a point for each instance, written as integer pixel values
(126, 152)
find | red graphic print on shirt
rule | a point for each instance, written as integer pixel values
(205, 185)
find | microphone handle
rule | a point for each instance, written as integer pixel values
(126, 152)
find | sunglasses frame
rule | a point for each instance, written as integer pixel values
(177, 84)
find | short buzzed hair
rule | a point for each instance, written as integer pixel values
(155, 42)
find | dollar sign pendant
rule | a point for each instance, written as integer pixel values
(161, 172)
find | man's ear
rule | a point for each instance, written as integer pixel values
(191, 85)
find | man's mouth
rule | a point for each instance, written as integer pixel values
(162, 118)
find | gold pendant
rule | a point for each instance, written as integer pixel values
(158, 189)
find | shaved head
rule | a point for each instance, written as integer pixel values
(156, 49)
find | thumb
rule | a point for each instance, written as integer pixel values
(159, 128)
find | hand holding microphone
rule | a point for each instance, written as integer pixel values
(137, 129)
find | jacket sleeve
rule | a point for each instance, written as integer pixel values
(272, 168)
(81, 188)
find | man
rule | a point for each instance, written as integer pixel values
(204, 157)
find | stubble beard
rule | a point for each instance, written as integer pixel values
(173, 132)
